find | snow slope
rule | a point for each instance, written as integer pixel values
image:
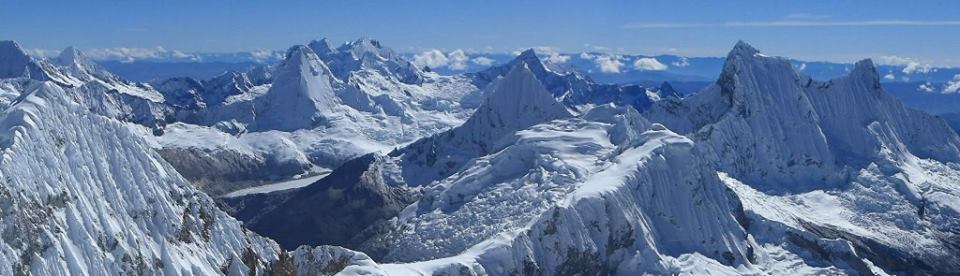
(322, 105)
(83, 195)
(772, 126)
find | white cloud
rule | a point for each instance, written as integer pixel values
(556, 59)
(649, 64)
(952, 86)
(551, 54)
(911, 65)
(132, 54)
(264, 55)
(42, 52)
(432, 58)
(889, 76)
(916, 67)
(458, 60)
(483, 61)
(454, 60)
(926, 87)
(586, 55)
(807, 16)
(801, 67)
(597, 48)
(683, 62)
(609, 63)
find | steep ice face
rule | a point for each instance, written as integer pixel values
(514, 102)
(771, 126)
(14, 63)
(302, 95)
(83, 195)
(561, 84)
(871, 170)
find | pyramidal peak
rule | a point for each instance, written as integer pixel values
(522, 98)
(301, 57)
(10, 48)
(866, 71)
(743, 48)
(15, 62)
(70, 54)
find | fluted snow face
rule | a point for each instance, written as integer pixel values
(771, 126)
(818, 160)
(83, 195)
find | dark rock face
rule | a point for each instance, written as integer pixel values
(221, 172)
(335, 210)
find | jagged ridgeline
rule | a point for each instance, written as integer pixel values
(524, 168)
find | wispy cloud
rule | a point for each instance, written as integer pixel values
(789, 23)
(807, 16)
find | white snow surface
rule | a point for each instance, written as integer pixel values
(280, 186)
(83, 195)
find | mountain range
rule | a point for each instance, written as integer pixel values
(353, 159)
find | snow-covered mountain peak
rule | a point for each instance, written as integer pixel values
(520, 95)
(301, 95)
(300, 59)
(364, 46)
(11, 48)
(365, 54)
(742, 48)
(14, 62)
(513, 102)
(322, 47)
(75, 63)
(865, 70)
(70, 54)
(538, 66)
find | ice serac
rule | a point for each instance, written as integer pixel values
(302, 95)
(15, 63)
(515, 102)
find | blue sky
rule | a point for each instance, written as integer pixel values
(814, 30)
